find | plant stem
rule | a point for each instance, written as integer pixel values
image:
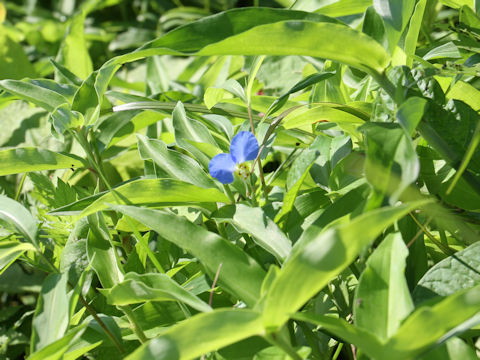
(337, 351)
(229, 193)
(100, 322)
(214, 283)
(445, 248)
(135, 325)
(273, 339)
(20, 186)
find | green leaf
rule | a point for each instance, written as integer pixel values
(302, 84)
(58, 348)
(156, 192)
(176, 164)
(359, 337)
(31, 91)
(320, 39)
(136, 288)
(395, 15)
(213, 96)
(318, 256)
(465, 92)
(101, 252)
(14, 161)
(339, 114)
(15, 214)
(411, 39)
(431, 324)
(63, 119)
(258, 31)
(450, 130)
(201, 334)
(454, 348)
(52, 317)
(239, 273)
(455, 273)
(10, 251)
(410, 113)
(193, 136)
(296, 176)
(344, 7)
(382, 298)
(448, 50)
(254, 222)
(73, 53)
(14, 63)
(458, 3)
(387, 144)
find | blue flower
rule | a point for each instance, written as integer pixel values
(244, 147)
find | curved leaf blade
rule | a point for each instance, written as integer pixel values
(239, 273)
(136, 288)
(319, 256)
(156, 192)
(15, 214)
(201, 334)
(14, 161)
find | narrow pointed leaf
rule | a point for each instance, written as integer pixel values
(201, 334)
(14, 161)
(136, 288)
(16, 215)
(382, 298)
(320, 256)
(239, 273)
(156, 192)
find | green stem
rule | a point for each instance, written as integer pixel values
(229, 193)
(273, 339)
(20, 187)
(444, 248)
(337, 351)
(135, 325)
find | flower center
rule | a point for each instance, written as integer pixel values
(242, 170)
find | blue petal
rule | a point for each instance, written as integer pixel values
(244, 147)
(221, 167)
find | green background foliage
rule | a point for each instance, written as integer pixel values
(354, 235)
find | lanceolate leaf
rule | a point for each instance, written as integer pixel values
(363, 339)
(382, 298)
(137, 288)
(431, 324)
(178, 165)
(14, 161)
(101, 252)
(16, 215)
(319, 256)
(264, 231)
(52, 314)
(395, 15)
(239, 273)
(201, 334)
(156, 192)
(29, 91)
(260, 32)
(10, 251)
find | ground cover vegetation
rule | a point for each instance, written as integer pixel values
(239, 179)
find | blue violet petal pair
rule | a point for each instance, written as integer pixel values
(244, 147)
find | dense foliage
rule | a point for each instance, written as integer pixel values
(338, 219)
